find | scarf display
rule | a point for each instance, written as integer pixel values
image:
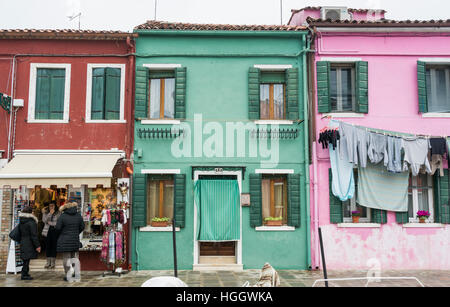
(113, 248)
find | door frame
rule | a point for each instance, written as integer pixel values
(238, 175)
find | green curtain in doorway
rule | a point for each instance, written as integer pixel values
(218, 214)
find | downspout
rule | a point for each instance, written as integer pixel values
(305, 45)
(12, 108)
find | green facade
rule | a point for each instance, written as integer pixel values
(217, 68)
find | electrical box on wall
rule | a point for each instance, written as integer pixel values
(18, 103)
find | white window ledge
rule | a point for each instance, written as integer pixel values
(358, 225)
(423, 225)
(47, 121)
(160, 122)
(275, 228)
(343, 115)
(158, 229)
(273, 171)
(111, 121)
(273, 122)
(427, 115)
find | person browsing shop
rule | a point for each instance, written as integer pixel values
(50, 216)
(29, 242)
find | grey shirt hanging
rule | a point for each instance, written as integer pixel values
(416, 154)
(377, 147)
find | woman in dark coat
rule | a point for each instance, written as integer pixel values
(68, 228)
(29, 242)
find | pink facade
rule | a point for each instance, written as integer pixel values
(392, 57)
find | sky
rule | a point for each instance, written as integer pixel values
(124, 15)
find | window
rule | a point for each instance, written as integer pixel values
(352, 205)
(272, 95)
(160, 197)
(342, 88)
(420, 196)
(49, 93)
(162, 95)
(438, 88)
(105, 92)
(274, 198)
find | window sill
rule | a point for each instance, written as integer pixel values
(158, 229)
(160, 121)
(111, 121)
(47, 121)
(275, 228)
(428, 115)
(423, 225)
(358, 225)
(343, 115)
(273, 122)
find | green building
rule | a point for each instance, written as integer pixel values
(221, 137)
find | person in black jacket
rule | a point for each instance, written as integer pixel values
(29, 242)
(68, 228)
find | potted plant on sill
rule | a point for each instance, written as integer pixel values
(274, 221)
(160, 221)
(423, 215)
(355, 216)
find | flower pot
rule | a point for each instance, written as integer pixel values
(422, 220)
(355, 219)
(274, 223)
(160, 224)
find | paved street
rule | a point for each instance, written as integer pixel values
(288, 278)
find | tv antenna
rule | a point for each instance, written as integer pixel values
(75, 16)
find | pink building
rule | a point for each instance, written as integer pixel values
(388, 75)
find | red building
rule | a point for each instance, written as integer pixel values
(66, 123)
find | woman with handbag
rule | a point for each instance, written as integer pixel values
(29, 241)
(50, 215)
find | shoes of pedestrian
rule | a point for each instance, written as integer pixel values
(28, 277)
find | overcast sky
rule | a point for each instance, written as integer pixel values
(125, 14)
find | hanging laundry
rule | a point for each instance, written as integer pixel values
(438, 146)
(347, 142)
(377, 147)
(343, 184)
(361, 146)
(416, 154)
(380, 189)
(329, 137)
(393, 154)
(437, 163)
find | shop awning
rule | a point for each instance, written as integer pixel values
(60, 169)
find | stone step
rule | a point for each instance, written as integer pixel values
(217, 260)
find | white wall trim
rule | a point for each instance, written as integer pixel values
(160, 171)
(272, 67)
(160, 122)
(161, 66)
(358, 225)
(273, 122)
(32, 92)
(435, 115)
(275, 228)
(158, 229)
(423, 225)
(90, 67)
(344, 115)
(435, 60)
(340, 59)
(273, 171)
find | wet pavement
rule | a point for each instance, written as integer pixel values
(288, 278)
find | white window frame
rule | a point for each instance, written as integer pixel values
(32, 92)
(434, 85)
(415, 198)
(339, 88)
(90, 68)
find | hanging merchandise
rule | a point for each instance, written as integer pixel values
(380, 189)
(113, 248)
(416, 154)
(343, 184)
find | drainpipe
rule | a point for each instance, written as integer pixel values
(12, 108)
(305, 45)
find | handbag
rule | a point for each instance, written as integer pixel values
(15, 234)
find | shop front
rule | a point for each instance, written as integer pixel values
(94, 180)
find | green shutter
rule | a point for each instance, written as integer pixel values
(422, 86)
(255, 200)
(112, 97)
(141, 92)
(362, 87)
(139, 205)
(294, 203)
(402, 217)
(323, 86)
(180, 92)
(273, 77)
(441, 195)
(292, 105)
(180, 200)
(98, 93)
(378, 216)
(254, 76)
(335, 203)
(50, 87)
